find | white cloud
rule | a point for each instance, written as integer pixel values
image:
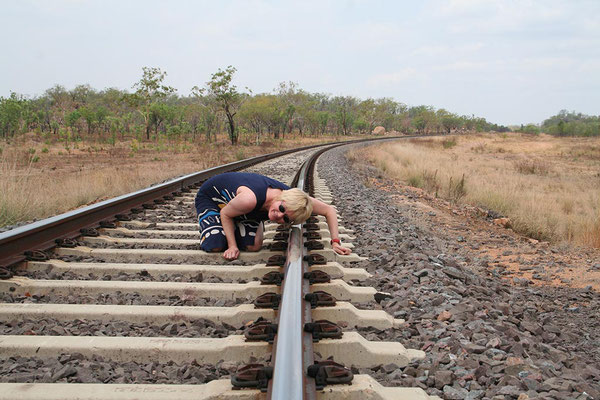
(501, 16)
(393, 77)
(545, 63)
(590, 66)
(461, 66)
(438, 50)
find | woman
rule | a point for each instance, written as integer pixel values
(232, 206)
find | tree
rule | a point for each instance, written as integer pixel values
(226, 95)
(531, 129)
(567, 123)
(419, 123)
(11, 110)
(423, 118)
(72, 118)
(305, 103)
(80, 96)
(388, 112)
(159, 113)
(367, 119)
(59, 103)
(287, 93)
(101, 115)
(150, 90)
(204, 113)
(90, 118)
(322, 120)
(561, 128)
(448, 120)
(345, 107)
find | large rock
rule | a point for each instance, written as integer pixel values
(378, 130)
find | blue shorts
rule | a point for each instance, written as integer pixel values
(212, 236)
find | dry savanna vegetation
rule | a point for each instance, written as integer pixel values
(548, 187)
(39, 179)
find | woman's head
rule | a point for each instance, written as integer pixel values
(296, 204)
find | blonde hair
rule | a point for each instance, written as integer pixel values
(298, 203)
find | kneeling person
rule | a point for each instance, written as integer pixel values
(232, 206)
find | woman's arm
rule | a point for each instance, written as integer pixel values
(329, 213)
(243, 203)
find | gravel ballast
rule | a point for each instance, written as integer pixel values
(76, 368)
(484, 337)
(84, 327)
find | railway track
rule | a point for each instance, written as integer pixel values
(133, 310)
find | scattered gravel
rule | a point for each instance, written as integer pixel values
(84, 327)
(284, 168)
(193, 259)
(77, 368)
(483, 337)
(119, 298)
(142, 276)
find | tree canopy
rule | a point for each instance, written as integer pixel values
(155, 110)
(567, 123)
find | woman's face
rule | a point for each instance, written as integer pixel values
(278, 213)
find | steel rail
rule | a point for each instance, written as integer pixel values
(289, 377)
(292, 347)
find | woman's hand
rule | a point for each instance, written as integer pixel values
(231, 253)
(338, 248)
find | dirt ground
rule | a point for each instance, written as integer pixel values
(517, 259)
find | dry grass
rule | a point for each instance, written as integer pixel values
(548, 187)
(39, 180)
(27, 192)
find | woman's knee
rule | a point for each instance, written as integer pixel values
(253, 247)
(214, 243)
(215, 250)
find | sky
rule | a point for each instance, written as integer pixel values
(511, 62)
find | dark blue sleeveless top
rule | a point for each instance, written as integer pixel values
(220, 189)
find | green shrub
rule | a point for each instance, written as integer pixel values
(45, 150)
(35, 159)
(457, 189)
(135, 146)
(531, 129)
(415, 181)
(239, 155)
(449, 143)
(430, 182)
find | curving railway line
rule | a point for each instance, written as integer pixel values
(115, 301)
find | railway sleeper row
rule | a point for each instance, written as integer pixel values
(84, 261)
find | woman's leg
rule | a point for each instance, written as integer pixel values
(212, 237)
(246, 232)
(258, 239)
